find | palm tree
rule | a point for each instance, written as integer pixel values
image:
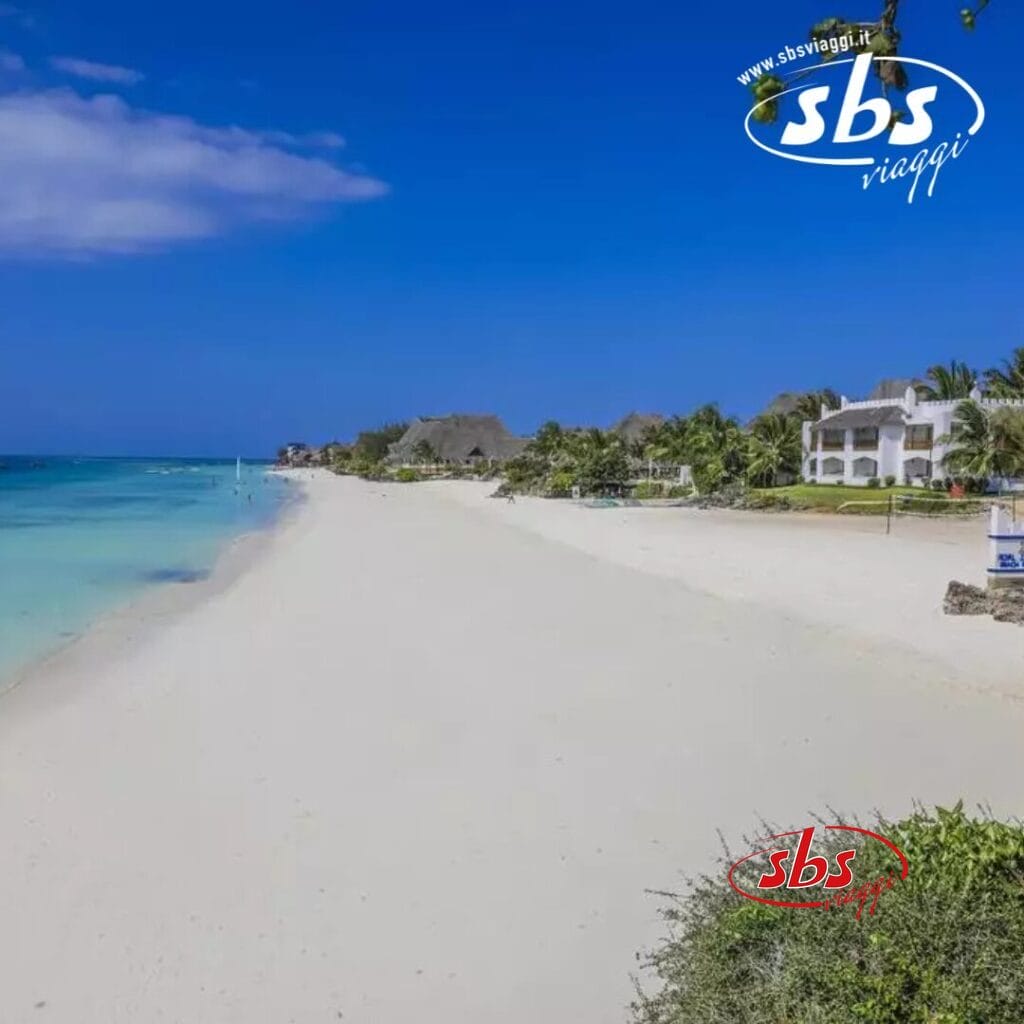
(599, 458)
(716, 448)
(549, 438)
(808, 405)
(945, 383)
(666, 442)
(985, 444)
(1009, 381)
(774, 446)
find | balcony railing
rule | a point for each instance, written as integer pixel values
(918, 444)
(865, 446)
(832, 446)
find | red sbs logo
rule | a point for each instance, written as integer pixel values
(787, 873)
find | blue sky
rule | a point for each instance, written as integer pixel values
(549, 211)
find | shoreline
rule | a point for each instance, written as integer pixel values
(152, 607)
(638, 538)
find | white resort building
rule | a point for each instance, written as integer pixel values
(881, 437)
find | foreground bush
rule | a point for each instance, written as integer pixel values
(946, 946)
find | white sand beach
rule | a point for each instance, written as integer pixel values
(422, 758)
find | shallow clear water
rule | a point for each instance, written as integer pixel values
(80, 536)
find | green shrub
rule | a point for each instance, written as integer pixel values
(369, 470)
(941, 485)
(648, 489)
(560, 484)
(840, 483)
(526, 473)
(944, 946)
(812, 483)
(890, 480)
(407, 475)
(679, 491)
(874, 482)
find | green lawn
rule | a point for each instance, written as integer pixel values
(829, 497)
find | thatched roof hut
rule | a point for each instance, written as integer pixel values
(785, 403)
(892, 389)
(457, 439)
(631, 428)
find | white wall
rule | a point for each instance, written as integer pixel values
(891, 456)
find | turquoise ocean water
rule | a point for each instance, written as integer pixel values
(80, 536)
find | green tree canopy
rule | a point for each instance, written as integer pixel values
(1008, 381)
(944, 383)
(986, 443)
(372, 445)
(774, 447)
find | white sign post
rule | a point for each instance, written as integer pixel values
(1006, 550)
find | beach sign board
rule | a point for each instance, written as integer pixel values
(1006, 548)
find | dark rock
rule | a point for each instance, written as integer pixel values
(965, 599)
(173, 574)
(1008, 605)
(1005, 604)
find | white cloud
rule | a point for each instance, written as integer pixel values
(83, 176)
(96, 72)
(326, 140)
(11, 62)
(312, 140)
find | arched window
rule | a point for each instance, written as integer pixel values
(917, 469)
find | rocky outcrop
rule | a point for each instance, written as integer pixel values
(965, 599)
(294, 455)
(1005, 604)
(1008, 605)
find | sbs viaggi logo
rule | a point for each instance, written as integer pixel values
(850, 866)
(842, 110)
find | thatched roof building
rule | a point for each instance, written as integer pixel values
(892, 389)
(785, 403)
(631, 428)
(457, 439)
